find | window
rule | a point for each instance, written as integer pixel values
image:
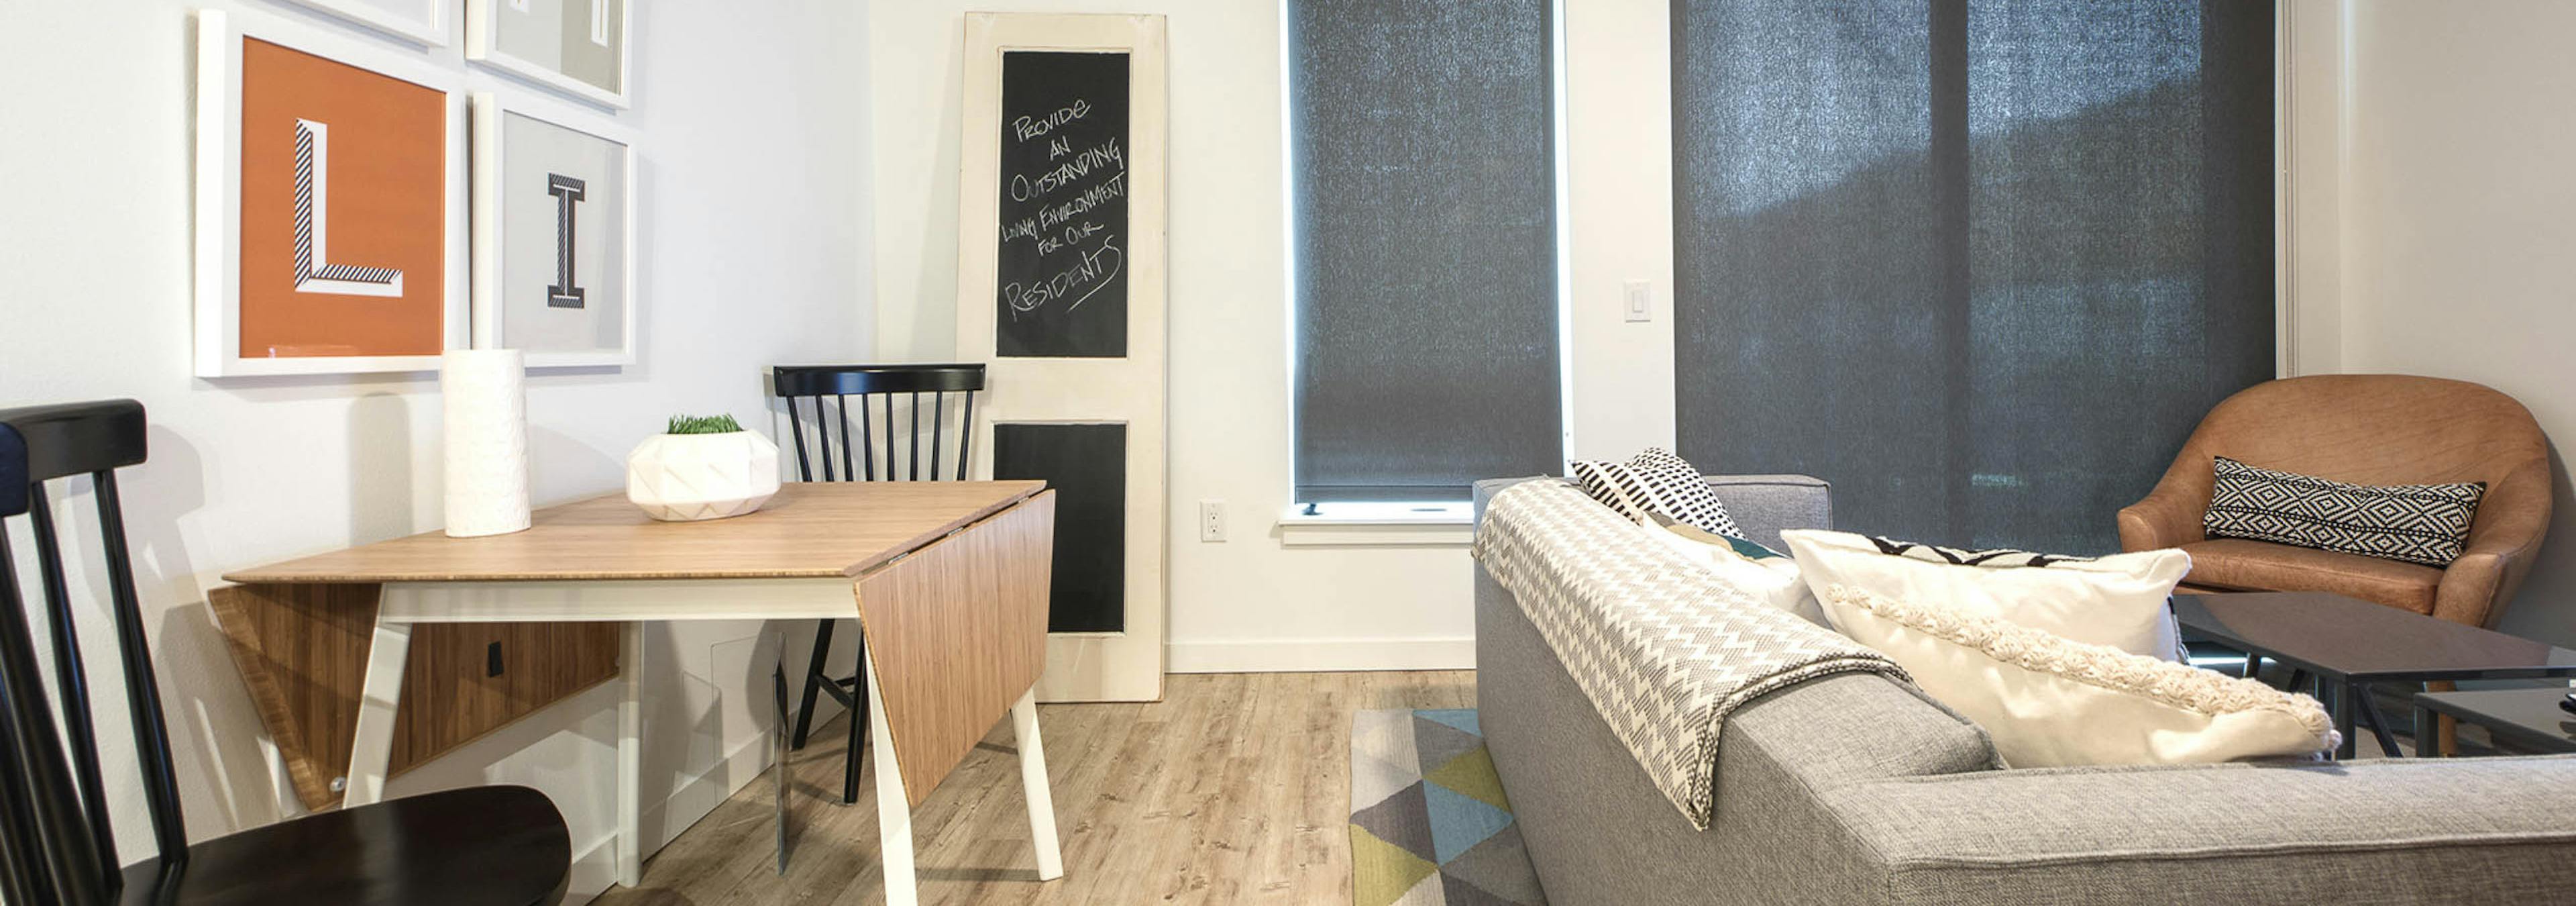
(1423, 198)
(1982, 264)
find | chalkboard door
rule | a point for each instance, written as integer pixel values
(1060, 286)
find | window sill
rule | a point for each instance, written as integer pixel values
(1350, 525)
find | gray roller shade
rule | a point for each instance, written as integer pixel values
(1982, 264)
(1425, 246)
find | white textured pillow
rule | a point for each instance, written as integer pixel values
(2123, 600)
(2048, 701)
(1772, 580)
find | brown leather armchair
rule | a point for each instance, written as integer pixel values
(2366, 429)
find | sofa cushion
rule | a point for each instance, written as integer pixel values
(2122, 600)
(2237, 564)
(2052, 702)
(1767, 575)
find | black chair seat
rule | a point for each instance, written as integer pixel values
(484, 846)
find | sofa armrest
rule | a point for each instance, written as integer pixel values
(2503, 542)
(2429, 830)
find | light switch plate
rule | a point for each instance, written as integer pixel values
(1639, 298)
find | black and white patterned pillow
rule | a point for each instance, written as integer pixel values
(1656, 481)
(2416, 523)
(1995, 557)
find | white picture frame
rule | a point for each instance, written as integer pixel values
(217, 241)
(490, 161)
(484, 19)
(432, 26)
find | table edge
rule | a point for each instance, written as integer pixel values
(266, 575)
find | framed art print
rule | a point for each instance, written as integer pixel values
(575, 46)
(425, 21)
(330, 203)
(554, 232)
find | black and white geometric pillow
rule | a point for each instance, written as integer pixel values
(1653, 482)
(2416, 523)
(2000, 557)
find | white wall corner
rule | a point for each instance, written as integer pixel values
(2314, 72)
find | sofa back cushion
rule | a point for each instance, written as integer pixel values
(2050, 702)
(2123, 601)
(1762, 505)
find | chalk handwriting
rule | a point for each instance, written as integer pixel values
(1080, 281)
(1032, 127)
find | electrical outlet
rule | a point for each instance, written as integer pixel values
(1211, 520)
(1639, 297)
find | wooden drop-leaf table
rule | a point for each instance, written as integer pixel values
(948, 579)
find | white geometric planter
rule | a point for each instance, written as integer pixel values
(688, 477)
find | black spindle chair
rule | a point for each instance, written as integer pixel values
(886, 448)
(505, 846)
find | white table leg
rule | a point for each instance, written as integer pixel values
(894, 808)
(630, 746)
(1033, 781)
(371, 748)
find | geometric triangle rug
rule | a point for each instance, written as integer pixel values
(1430, 825)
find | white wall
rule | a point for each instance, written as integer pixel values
(1250, 603)
(2445, 225)
(753, 252)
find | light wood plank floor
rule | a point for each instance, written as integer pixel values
(1233, 789)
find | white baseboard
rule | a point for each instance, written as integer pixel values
(594, 870)
(1321, 655)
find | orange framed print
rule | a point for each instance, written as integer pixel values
(331, 206)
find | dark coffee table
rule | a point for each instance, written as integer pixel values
(2347, 644)
(2529, 718)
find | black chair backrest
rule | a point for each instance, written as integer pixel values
(60, 846)
(859, 461)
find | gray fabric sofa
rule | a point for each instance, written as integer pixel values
(1855, 789)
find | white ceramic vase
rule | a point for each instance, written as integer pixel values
(688, 477)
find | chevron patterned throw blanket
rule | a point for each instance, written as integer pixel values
(1662, 648)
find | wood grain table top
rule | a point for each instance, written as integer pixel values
(810, 530)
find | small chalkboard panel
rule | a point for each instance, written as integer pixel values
(1086, 464)
(1062, 270)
